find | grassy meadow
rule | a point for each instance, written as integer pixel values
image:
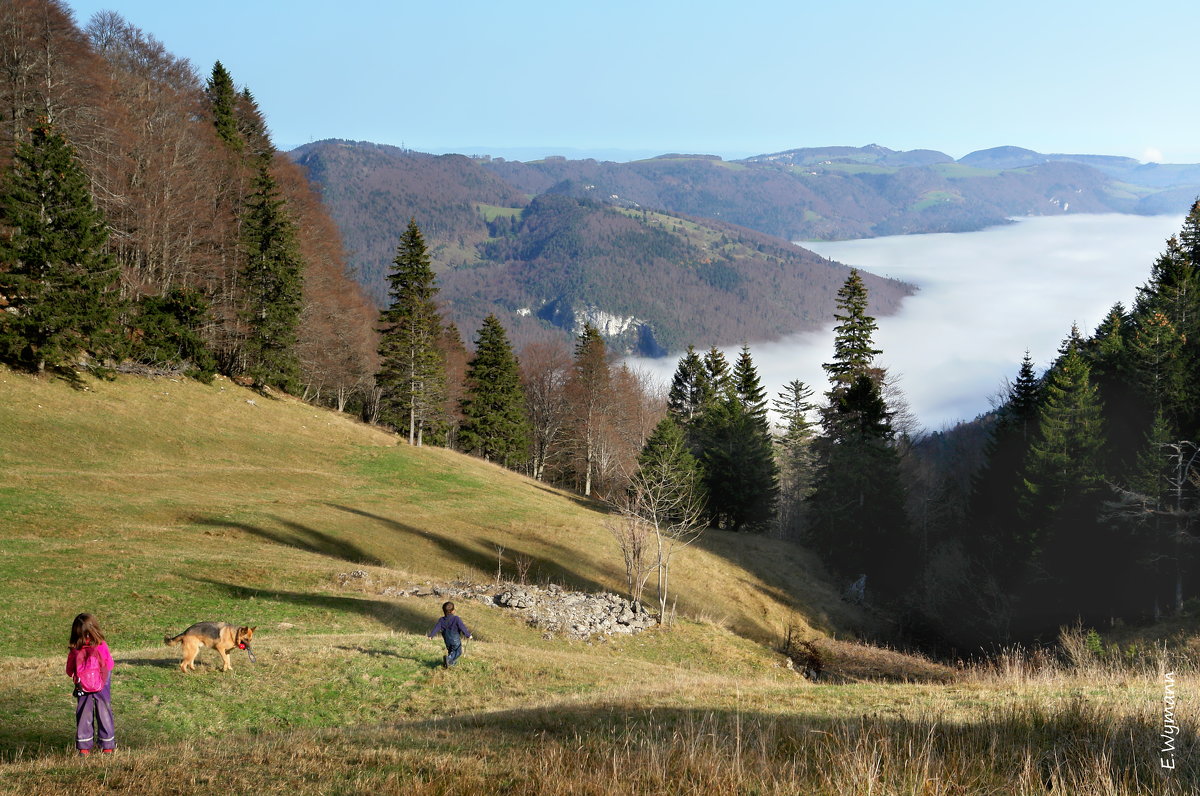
(156, 503)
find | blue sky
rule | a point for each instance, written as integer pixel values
(724, 78)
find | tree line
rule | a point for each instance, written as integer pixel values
(146, 220)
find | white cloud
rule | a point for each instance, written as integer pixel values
(1152, 155)
(985, 297)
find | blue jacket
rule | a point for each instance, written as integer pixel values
(450, 625)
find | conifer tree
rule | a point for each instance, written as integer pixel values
(273, 286)
(794, 454)
(57, 283)
(412, 374)
(749, 387)
(494, 424)
(686, 398)
(222, 98)
(857, 518)
(590, 394)
(1064, 476)
(715, 385)
(1064, 458)
(853, 349)
(996, 531)
(740, 476)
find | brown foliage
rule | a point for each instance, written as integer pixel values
(170, 190)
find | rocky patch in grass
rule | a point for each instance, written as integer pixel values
(553, 609)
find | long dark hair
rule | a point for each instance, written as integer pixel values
(85, 630)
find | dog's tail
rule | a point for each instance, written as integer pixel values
(172, 640)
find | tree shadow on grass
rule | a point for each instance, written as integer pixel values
(393, 615)
(486, 561)
(578, 500)
(302, 537)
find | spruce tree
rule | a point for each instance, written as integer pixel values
(853, 349)
(857, 517)
(740, 476)
(749, 387)
(1065, 457)
(273, 286)
(57, 283)
(494, 424)
(223, 100)
(686, 397)
(412, 373)
(995, 528)
(715, 385)
(1074, 554)
(794, 454)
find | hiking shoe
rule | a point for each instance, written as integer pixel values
(107, 751)
(84, 752)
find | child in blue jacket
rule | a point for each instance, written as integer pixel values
(452, 629)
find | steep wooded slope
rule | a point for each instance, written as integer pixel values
(652, 281)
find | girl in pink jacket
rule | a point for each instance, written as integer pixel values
(90, 665)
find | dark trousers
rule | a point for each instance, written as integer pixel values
(94, 719)
(453, 647)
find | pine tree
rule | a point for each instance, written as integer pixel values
(715, 385)
(996, 530)
(494, 424)
(857, 513)
(412, 374)
(686, 397)
(749, 387)
(1064, 475)
(740, 476)
(273, 286)
(794, 454)
(1064, 458)
(57, 283)
(1173, 292)
(853, 350)
(222, 98)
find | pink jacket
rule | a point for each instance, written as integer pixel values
(75, 659)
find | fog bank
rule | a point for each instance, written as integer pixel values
(983, 299)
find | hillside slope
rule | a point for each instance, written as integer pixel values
(157, 503)
(148, 499)
(853, 192)
(652, 281)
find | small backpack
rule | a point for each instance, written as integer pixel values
(89, 672)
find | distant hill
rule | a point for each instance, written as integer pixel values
(690, 248)
(851, 192)
(547, 257)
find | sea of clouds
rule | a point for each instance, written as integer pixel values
(984, 298)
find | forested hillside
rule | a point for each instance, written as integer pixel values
(855, 192)
(171, 233)
(649, 280)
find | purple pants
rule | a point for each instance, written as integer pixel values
(94, 719)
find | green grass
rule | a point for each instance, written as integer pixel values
(933, 198)
(159, 503)
(492, 212)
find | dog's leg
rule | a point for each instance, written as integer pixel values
(224, 657)
(190, 648)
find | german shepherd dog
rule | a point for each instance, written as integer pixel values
(220, 636)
